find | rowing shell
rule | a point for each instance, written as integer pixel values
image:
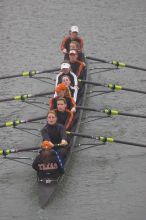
(47, 187)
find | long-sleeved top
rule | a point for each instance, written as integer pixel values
(65, 118)
(54, 133)
(67, 40)
(77, 68)
(74, 92)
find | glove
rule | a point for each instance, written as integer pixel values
(46, 145)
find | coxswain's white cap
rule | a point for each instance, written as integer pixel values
(74, 29)
(65, 66)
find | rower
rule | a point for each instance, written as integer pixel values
(66, 70)
(64, 115)
(63, 92)
(73, 90)
(42, 164)
(76, 66)
(53, 133)
(73, 36)
(74, 45)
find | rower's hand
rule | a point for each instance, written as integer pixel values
(47, 145)
(64, 51)
(64, 142)
(73, 109)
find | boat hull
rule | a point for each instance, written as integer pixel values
(48, 186)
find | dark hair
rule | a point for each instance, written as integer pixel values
(62, 99)
(65, 61)
(45, 156)
(66, 76)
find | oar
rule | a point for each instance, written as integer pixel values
(111, 112)
(104, 139)
(19, 121)
(111, 86)
(25, 96)
(9, 151)
(29, 73)
(116, 63)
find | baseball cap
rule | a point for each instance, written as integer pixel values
(65, 66)
(73, 52)
(74, 29)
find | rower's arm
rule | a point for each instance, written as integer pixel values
(69, 120)
(75, 79)
(45, 134)
(63, 133)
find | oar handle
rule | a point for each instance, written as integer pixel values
(9, 151)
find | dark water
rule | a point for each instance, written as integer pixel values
(104, 183)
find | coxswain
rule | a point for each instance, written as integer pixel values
(76, 66)
(64, 115)
(53, 134)
(66, 70)
(73, 36)
(43, 164)
(73, 90)
(63, 92)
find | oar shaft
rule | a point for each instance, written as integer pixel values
(29, 74)
(129, 143)
(81, 135)
(105, 139)
(132, 115)
(36, 119)
(49, 71)
(135, 67)
(9, 151)
(90, 82)
(88, 109)
(116, 63)
(27, 149)
(97, 59)
(9, 77)
(18, 122)
(134, 90)
(114, 87)
(25, 96)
